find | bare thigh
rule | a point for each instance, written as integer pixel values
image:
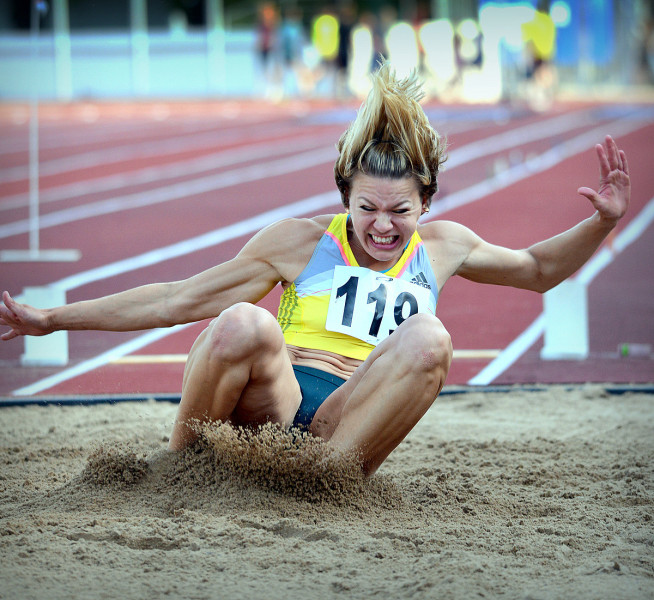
(238, 370)
(389, 393)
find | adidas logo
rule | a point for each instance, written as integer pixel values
(421, 280)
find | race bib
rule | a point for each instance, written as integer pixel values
(369, 306)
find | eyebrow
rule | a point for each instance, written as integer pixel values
(394, 206)
(397, 206)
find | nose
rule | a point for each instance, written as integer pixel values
(383, 222)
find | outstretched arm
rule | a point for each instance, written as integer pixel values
(264, 261)
(146, 307)
(545, 264)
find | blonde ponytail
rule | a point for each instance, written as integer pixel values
(391, 137)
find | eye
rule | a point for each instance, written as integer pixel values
(367, 208)
(401, 211)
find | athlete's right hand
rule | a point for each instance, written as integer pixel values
(22, 319)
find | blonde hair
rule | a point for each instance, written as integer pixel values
(391, 137)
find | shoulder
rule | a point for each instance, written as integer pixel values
(448, 245)
(288, 244)
(290, 232)
(446, 233)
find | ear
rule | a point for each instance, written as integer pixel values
(345, 198)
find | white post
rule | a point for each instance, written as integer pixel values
(140, 47)
(63, 67)
(34, 253)
(440, 9)
(33, 171)
(566, 322)
(215, 45)
(33, 146)
(48, 350)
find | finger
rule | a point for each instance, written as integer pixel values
(612, 153)
(8, 300)
(603, 160)
(10, 335)
(8, 317)
(625, 165)
(4, 315)
(588, 193)
(12, 306)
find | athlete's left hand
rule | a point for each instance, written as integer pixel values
(612, 198)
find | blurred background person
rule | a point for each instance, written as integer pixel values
(324, 39)
(292, 41)
(469, 58)
(439, 61)
(346, 25)
(383, 23)
(363, 54)
(539, 37)
(267, 50)
(402, 46)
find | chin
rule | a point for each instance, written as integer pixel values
(384, 255)
(391, 251)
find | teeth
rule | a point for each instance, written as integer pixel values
(382, 240)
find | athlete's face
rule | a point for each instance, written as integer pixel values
(385, 215)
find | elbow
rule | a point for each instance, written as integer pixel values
(543, 282)
(544, 275)
(542, 286)
(543, 289)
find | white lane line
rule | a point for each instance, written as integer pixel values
(626, 237)
(520, 136)
(77, 135)
(531, 166)
(511, 353)
(73, 136)
(98, 361)
(216, 238)
(135, 150)
(206, 240)
(162, 173)
(183, 189)
(588, 272)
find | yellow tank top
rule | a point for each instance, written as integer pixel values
(303, 306)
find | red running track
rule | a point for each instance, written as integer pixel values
(122, 180)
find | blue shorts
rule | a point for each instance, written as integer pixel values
(315, 386)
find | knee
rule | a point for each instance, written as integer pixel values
(425, 345)
(243, 330)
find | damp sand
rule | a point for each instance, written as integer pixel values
(521, 494)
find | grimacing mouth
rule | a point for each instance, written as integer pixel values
(384, 239)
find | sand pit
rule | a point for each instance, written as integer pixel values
(521, 494)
